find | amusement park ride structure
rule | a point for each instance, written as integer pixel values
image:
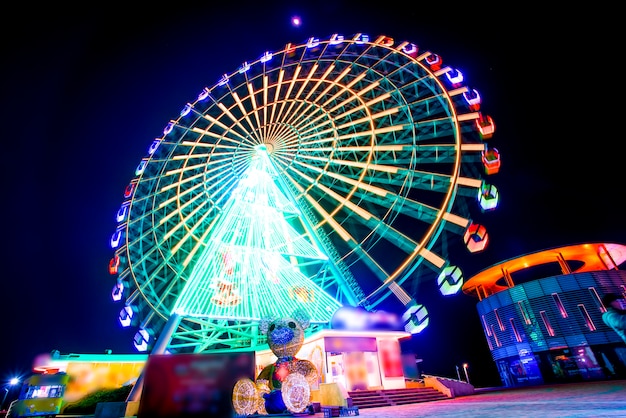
(332, 173)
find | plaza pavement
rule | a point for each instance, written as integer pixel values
(588, 399)
(570, 400)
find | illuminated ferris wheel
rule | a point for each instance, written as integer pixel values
(335, 172)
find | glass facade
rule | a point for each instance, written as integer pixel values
(550, 330)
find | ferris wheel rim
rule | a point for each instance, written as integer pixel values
(287, 140)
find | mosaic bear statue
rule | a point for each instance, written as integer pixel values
(285, 385)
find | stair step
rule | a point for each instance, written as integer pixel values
(388, 397)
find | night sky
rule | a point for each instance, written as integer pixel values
(84, 92)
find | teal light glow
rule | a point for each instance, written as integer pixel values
(250, 267)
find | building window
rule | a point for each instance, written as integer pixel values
(559, 304)
(487, 327)
(518, 337)
(546, 322)
(500, 323)
(524, 313)
(590, 325)
(495, 337)
(596, 298)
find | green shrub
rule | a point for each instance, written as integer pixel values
(87, 404)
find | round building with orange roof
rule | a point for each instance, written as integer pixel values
(542, 314)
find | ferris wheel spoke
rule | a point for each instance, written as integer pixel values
(274, 104)
(236, 137)
(357, 253)
(304, 120)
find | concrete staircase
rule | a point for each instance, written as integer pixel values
(380, 397)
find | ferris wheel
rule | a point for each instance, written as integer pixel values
(368, 158)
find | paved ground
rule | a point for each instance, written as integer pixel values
(572, 400)
(590, 399)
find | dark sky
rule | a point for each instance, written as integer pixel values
(84, 92)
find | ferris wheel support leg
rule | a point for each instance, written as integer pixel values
(159, 348)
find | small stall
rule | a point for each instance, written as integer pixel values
(352, 360)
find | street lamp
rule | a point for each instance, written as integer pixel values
(466, 375)
(13, 381)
